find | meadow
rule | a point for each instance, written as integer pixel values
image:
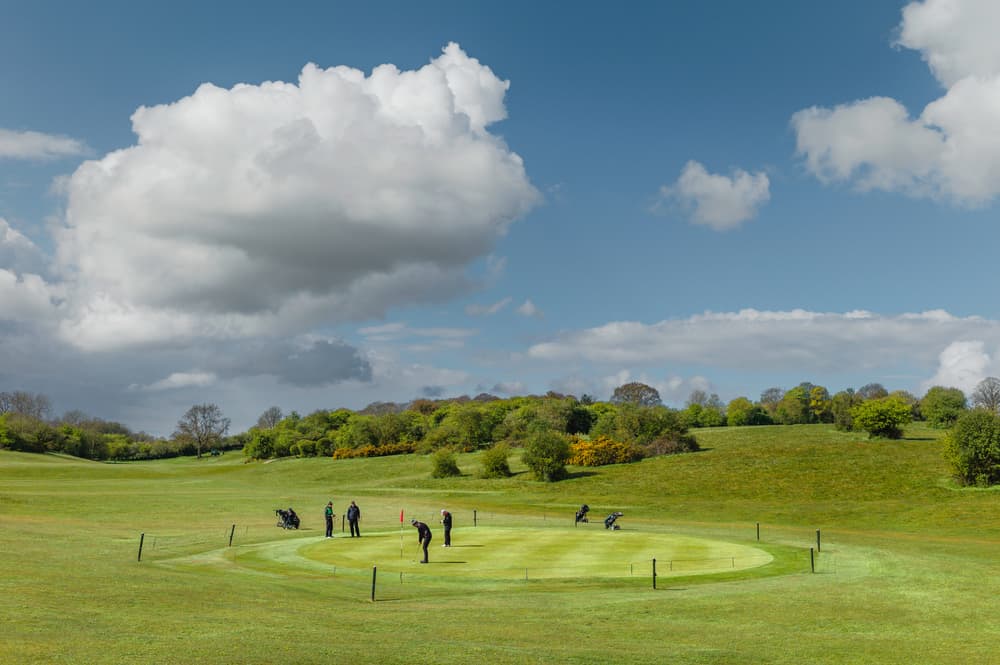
(906, 570)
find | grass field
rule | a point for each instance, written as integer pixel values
(907, 571)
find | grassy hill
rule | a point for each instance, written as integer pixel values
(906, 572)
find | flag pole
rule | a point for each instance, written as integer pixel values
(401, 534)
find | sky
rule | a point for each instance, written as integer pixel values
(317, 205)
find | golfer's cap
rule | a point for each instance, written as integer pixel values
(329, 503)
(443, 511)
(413, 521)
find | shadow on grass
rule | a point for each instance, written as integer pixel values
(580, 474)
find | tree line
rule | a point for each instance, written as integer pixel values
(551, 428)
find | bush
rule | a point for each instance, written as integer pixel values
(401, 448)
(671, 445)
(494, 461)
(601, 451)
(545, 453)
(882, 418)
(444, 464)
(973, 448)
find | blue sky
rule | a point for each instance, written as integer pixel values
(509, 198)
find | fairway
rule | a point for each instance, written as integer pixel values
(495, 553)
(905, 575)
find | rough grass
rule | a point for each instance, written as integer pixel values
(907, 571)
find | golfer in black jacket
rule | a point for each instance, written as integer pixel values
(424, 534)
(353, 515)
(446, 523)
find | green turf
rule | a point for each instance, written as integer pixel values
(907, 572)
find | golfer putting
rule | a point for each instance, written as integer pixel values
(424, 535)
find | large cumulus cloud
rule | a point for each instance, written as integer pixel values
(951, 150)
(265, 209)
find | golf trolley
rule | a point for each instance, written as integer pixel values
(287, 519)
(581, 515)
(611, 521)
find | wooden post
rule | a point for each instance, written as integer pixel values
(474, 519)
(342, 524)
(654, 573)
(231, 532)
(758, 531)
(818, 548)
(812, 560)
(142, 537)
(374, 570)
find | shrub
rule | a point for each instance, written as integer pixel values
(882, 418)
(444, 464)
(494, 461)
(545, 453)
(401, 448)
(973, 448)
(672, 444)
(603, 450)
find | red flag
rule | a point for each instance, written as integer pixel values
(400, 516)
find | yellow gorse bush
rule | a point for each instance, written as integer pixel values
(602, 450)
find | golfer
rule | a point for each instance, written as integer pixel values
(353, 517)
(424, 534)
(446, 523)
(328, 514)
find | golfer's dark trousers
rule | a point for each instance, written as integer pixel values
(355, 531)
(329, 527)
(425, 543)
(447, 537)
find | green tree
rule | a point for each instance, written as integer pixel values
(545, 453)
(942, 406)
(636, 393)
(840, 409)
(444, 464)
(741, 411)
(494, 462)
(973, 448)
(793, 409)
(882, 418)
(819, 405)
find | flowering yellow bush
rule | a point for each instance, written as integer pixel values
(401, 448)
(602, 450)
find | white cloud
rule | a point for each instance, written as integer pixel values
(487, 310)
(179, 380)
(962, 365)
(17, 252)
(528, 308)
(951, 150)
(27, 298)
(718, 201)
(957, 38)
(36, 145)
(790, 341)
(266, 209)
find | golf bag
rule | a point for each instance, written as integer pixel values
(287, 519)
(610, 522)
(581, 515)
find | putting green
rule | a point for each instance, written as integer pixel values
(495, 553)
